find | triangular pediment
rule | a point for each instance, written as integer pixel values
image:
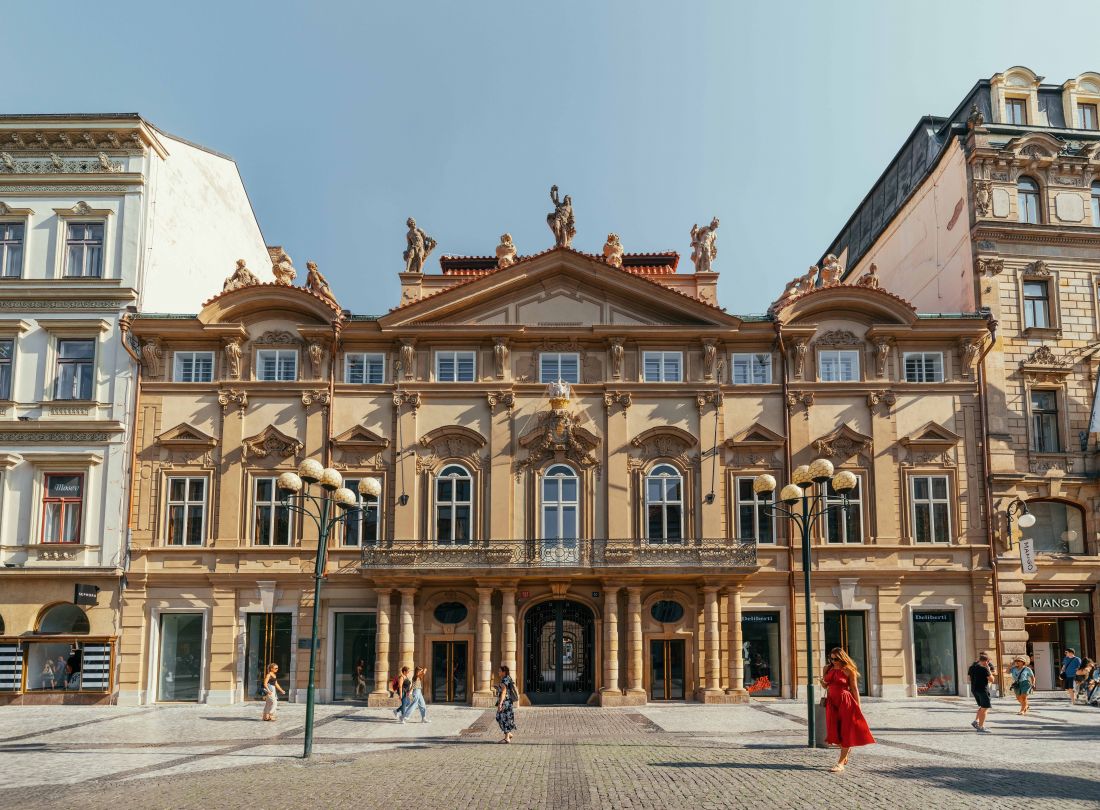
(272, 444)
(931, 434)
(559, 288)
(360, 439)
(842, 444)
(185, 435)
(756, 435)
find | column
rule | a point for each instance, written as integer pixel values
(483, 695)
(736, 659)
(634, 688)
(382, 672)
(611, 643)
(408, 638)
(714, 655)
(508, 624)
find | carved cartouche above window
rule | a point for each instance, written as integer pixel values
(843, 444)
(271, 444)
(838, 337)
(452, 442)
(558, 436)
(664, 442)
(276, 337)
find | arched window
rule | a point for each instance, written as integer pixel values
(454, 506)
(560, 508)
(1059, 527)
(664, 504)
(63, 619)
(1096, 203)
(1027, 200)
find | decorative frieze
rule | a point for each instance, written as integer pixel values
(54, 164)
(54, 436)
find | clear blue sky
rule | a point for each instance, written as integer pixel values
(347, 117)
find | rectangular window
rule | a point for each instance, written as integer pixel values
(1044, 422)
(751, 369)
(7, 350)
(75, 361)
(361, 527)
(455, 366)
(663, 366)
(931, 509)
(1036, 305)
(838, 365)
(1086, 116)
(193, 367)
(934, 652)
(68, 666)
(760, 649)
(841, 528)
(186, 514)
(365, 369)
(353, 664)
(11, 249)
(554, 366)
(1016, 111)
(754, 518)
(84, 249)
(271, 520)
(923, 367)
(277, 365)
(61, 507)
(180, 657)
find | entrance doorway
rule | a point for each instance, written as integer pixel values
(450, 677)
(1048, 638)
(267, 641)
(847, 629)
(666, 669)
(559, 658)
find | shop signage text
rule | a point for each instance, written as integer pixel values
(86, 594)
(938, 616)
(757, 618)
(1027, 556)
(1057, 602)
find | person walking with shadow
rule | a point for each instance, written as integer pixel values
(506, 716)
(1023, 682)
(402, 685)
(270, 685)
(980, 679)
(416, 697)
(844, 720)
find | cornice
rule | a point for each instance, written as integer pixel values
(1036, 234)
(48, 134)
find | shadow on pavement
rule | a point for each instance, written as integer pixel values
(1002, 782)
(752, 766)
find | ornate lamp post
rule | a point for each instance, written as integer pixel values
(330, 507)
(1025, 519)
(807, 485)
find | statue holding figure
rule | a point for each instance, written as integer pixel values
(704, 248)
(419, 246)
(283, 269)
(561, 221)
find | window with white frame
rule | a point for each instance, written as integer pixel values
(664, 505)
(663, 366)
(7, 352)
(923, 367)
(454, 505)
(1095, 200)
(1086, 116)
(838, 365)
(271, 524)
(754, 517)
(362, 525)
(1036, 305)
(364, 368)
(841, 527)
(277, 365)
(75, 369)
(1044, 422)
(751, 369)
(564, 366)
(84, 249)
(186, 512)
(1016, 111)
(11, 249)
(193, 367)
(1027, 201)
(455, 366)
(62, 505)
(931, 508)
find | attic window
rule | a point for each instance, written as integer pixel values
(1016, 111)
(1086, 116)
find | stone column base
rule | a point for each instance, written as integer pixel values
(635, 697)
(383, 699)
(737, 696)
(718, 696)
(612, 697)
(484, 700)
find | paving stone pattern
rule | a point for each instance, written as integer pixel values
(685, 756)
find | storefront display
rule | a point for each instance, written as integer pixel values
(760, 650)
(180, 657)
(353, 665)
(1057, 621)
(847, 629)
(934, 652)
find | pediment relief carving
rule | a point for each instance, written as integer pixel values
(277, 337)
(271, 444)
(843, 444)
(449, 442)
(664, 442)
(1044, 366)
(930, 444)
(185, 435)
(838, 337)
(755, 446)
(359, 447)
(559, 435)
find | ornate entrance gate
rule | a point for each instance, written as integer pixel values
(559, 654)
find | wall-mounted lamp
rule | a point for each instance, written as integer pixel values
(1025, 519)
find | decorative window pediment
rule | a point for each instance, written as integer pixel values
(755, 445)
(271, 444)
(277, 337)
(450, 442)
(843, 444)
(838, 337)
(930, 443)
(665, 441)
(359, 447)
(1043, 365)
(185, 437)
(559, 436)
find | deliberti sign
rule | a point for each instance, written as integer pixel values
(1057, 602)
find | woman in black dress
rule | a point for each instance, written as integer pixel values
(506, 717)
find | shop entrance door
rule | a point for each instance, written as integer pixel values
(666, 669)
(267, 641)
(449, 672)
(558, 653)
(847, 629)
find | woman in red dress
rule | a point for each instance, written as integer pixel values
(843, 716)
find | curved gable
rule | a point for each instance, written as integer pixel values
(874, 305)
(235, 305)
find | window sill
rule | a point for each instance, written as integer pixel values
(1043, 332)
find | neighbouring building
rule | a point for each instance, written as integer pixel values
(997, 207)
(566, 445)
(99, 215)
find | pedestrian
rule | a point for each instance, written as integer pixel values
(401, 685)
(1092, 688)
(506, 715)
(360, 678)
(395, 683)
(980, 679)
(416, 697)
(844, 719)
(1070, 664)
(1023, 681)
(1081, 679)
(270, 685)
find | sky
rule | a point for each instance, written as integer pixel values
(345, 118)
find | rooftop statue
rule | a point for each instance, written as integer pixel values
(831, 271)
(419, 246)
(704, 249)
(283, 269)
(506, 251)
(561, 221)
(613, 250)
(800, 284)
(870, 278)
(242, 277)
(316, 283)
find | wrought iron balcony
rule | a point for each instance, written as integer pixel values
(561, 554)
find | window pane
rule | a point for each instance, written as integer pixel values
(194, 525)
(263, 524)
(355, 370)
(672, 489)
(569, 521)
(550, 522)
(465, 362)
(264, 489)
(570, 368)
(764, 518)
(656, 522)
(446, 367)
(197, 487)
(672, 367)
(941, 522)
(443, 524)
(444, 489)
(740, 373)
(939, 487)
(762, 368)
(672, 519)
(462, 489)
(569, 489)
(282, 526)
(376, 370)
(652, 368)
(174, 533)
(462, 523)
(744, 489)
(176, 488)
(51, 531)
(653, 490)
(921, 530)
(920, 488)
(746, 530)
(71, 530)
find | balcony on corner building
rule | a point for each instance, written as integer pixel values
(569, 554)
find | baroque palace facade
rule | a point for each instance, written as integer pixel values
(601, 537)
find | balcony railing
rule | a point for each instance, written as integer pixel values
(570, 554)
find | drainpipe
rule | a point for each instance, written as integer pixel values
(124, 563)
(791, 583)
(990, 517)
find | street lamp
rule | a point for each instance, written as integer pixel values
(332, 506)
(1026, 519)
(806, 481)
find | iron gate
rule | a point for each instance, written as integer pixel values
(559, 652)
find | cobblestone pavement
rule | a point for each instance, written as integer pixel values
(658, 756)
